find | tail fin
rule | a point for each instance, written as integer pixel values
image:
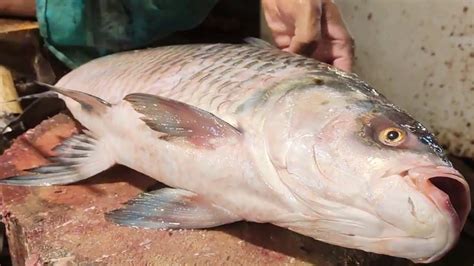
(79, 158)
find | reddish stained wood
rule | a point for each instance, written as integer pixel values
(65, 224)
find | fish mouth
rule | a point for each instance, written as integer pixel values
(446, 188)
(449, 192)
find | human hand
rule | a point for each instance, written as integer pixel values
(310, 27)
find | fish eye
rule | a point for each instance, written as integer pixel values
(392, 136)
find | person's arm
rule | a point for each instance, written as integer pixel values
(310, 27)
(18, 8)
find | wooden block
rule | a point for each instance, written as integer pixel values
(66, 223)
(8, 93)
(12, 25)
(23, 53)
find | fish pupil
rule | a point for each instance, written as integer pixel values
(393, 135)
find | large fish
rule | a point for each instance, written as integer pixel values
(248, 132)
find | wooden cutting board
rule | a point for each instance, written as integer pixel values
(65, 224)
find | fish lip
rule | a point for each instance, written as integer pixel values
(421, 175)
(441, 200)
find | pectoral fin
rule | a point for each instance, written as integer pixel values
(169, 208)
(177, 119)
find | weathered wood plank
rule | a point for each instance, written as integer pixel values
(23, 53)
(11, 25)
(8, 93)
(66, 223)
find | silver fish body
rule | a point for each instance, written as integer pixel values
(248, 132)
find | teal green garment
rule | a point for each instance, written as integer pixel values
(77, 31)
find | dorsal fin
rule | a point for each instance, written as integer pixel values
(259, 43)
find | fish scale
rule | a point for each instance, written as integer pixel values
(213, 77)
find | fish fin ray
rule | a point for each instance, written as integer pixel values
(170, 208)
(257, 42)
(87, 101)
(178, 119)
(78, 158)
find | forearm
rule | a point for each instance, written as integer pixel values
(18, 8)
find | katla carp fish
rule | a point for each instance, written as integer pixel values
(249, 132)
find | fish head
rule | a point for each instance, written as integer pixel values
(365, 175)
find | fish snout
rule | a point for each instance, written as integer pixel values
(447, 189)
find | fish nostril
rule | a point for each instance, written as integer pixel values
(457, 193)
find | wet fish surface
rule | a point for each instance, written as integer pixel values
(248, 132)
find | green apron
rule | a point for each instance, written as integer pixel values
(77, 31)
